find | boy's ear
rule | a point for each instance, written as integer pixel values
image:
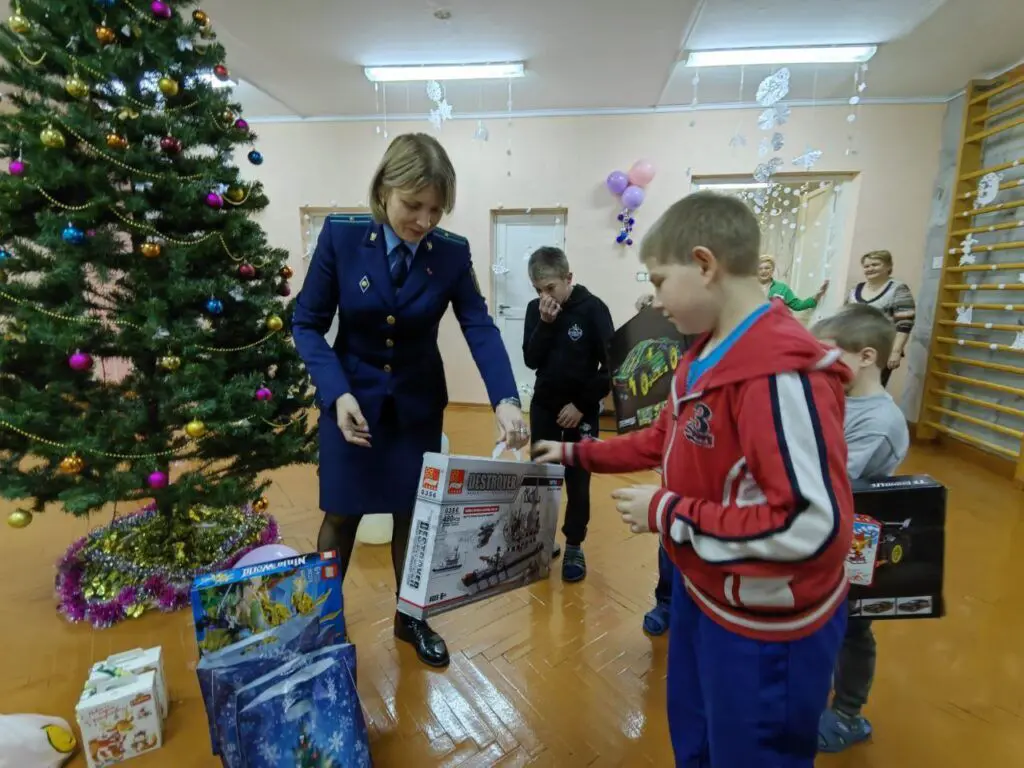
(869, 357)
(705, 261)
(568, 278)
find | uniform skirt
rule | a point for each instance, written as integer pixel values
(381, 479)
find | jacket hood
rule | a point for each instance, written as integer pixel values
(776, 343)
(580, 295)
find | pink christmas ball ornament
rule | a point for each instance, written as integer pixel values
(214, 200)
(247, 271)
(157, 480)
(80, 361)
(160, 9)
(17, 168)
(263, 394)
(242, 124)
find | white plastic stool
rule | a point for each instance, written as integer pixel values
(378, 529)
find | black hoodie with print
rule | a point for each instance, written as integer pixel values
(570, 354)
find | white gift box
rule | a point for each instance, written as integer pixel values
(119, 718)
(135, 662)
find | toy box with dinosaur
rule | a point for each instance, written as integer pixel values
(230, 606)
(480, 527)
(896, 563)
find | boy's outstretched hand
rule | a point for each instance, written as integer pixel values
(546, 451)
(633, 504)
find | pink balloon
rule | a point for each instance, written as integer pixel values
(642, 173)
(266, 554)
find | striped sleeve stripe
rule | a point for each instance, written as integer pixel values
(815, 518)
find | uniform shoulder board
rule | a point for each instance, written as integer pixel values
(350, 219)
(450, 237)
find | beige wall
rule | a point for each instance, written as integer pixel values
(563, 162)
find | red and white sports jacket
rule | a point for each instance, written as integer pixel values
(755, 507)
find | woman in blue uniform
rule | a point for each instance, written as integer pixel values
(391, 276)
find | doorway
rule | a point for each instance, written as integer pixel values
(515, 235)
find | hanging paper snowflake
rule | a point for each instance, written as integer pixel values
(965, 314)
(738, 140)
(499, 269)
(808, 159)
(773, 117)
(988, 189)
(435, 92)
(765, 171)
(1018, 341)
(773, 88)
(481, 133)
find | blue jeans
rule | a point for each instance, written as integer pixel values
(666, 571)
(735, 702)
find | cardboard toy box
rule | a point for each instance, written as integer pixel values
(119, 718)
(480, 527)
(643, 355)
(896, 564)
(134, 662)
(232, 605)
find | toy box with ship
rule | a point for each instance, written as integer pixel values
(896, 561)
(480, 527)
(229, 606)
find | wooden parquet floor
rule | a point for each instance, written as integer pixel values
(562, 675)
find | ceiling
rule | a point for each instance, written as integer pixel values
(305, 59)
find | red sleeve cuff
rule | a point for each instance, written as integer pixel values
(569, 456)
(661, 504)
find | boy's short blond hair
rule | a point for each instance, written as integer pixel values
(724, 225)
(412, 162)
(857, 327)
(548, 262)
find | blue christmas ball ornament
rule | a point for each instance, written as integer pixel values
(106, 3)
(73, 235)
(5, 255)
(214, 306)
(256, 157)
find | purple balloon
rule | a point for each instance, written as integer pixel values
(266, 554)
(617, 182)
(633, 197)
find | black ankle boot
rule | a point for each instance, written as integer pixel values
(429, 645)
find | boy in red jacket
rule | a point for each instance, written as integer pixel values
(755, 507)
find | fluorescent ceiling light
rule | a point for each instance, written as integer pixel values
(444, 72)
(739, 57)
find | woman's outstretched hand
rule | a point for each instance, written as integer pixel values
(513, 430)
(351, 422)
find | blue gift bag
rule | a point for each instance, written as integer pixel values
(253, 657)
(230, 696)
(310, 718)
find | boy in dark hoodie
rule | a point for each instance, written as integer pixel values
(565, 340)
(755, 509)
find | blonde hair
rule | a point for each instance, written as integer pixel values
(412, 162)
(724, 225)
(766, 260)
(883, 256)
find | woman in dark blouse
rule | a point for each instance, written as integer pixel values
(891, 297)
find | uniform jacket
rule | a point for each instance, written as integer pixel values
(387, 342)
(755, 507)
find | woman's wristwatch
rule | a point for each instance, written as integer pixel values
(511, 401)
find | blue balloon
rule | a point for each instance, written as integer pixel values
(214, 306)
(73, 235)
(256, 158)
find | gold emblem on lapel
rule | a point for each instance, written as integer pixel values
(373, 237)
(430, 246)
(364, 284)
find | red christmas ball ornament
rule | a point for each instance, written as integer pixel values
(170, 145)
(221, 72)
(284, 290)
(247, 271)
(263, 394)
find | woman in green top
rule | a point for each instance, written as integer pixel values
(776, 288)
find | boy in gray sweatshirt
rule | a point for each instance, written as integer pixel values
(877, 442)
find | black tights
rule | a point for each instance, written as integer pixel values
(338, 532)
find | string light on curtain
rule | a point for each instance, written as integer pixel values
(481, 133)
(810, 155)
(738, 139)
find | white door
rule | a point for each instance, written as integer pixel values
(516, 236)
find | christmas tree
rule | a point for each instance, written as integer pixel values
(308, 754)
(145, 354)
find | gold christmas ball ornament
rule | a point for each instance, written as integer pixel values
(52, 138)
(235, 194)
(151, 250)
(76, 87)
(168, 86)
(227, 116)
(72, 465)
(261, 504)
(195, 429)
(275, 323)
(20, 518)
(287, 273)
(200, 17)
(105, 35)
(116, 141)
(170, 363)
(19, 24)
(127, 114)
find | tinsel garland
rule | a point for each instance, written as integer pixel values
(99, 583)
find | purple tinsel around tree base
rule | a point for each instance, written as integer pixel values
(163, 589)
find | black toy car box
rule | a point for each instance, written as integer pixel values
(896, 562)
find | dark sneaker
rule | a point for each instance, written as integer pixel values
(574, 565)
